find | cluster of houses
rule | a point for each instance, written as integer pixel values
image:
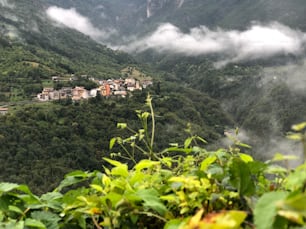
(110, 87)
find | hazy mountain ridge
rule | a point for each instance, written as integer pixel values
(130, 17)
(28, 24)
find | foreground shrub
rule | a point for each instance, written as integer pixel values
(184, 187)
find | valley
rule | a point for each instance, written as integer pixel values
(161, 112)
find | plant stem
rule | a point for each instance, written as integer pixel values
(149, 102)
(95, 222)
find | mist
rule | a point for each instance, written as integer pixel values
(256, 42)
(293, 74)
(5, 3)
(71, 18)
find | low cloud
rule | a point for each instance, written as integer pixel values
(74, 20)
(256, 42)
(6, 3)
(293, 74)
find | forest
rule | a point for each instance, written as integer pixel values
(75, 135)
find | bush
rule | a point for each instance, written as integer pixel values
(184, 186)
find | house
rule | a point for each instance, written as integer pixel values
(79, 93)
(146, 83)
(45, 95)
(56, 78)
(121, 93)
(65, 92)
(3, 110)
(130, 81)
(105, 89)
(93, 92)
(130, 87)
(54, 95)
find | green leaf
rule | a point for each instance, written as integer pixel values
(201, 139)
(51, 200)
(276, 169)
(121, 125)
(145, 164)
(170, 198)
(151, 200)
(167, 161)
(299, 127)
(188, 142)
(243, 145)
(97, 187)
(281, 157)
(245, 157)
(112, 143)
(51, 196)
(292, 216)
(25, 189)
(174, 224)
(34, 223)
(145, 115)
(207, 162)
(241, 177)
(6, 187)
(121, 170)
(266, 209)
(295, 180)
(74, 178)
(295, 137)
(113, 162)
(295, 203)
(113, 197)
(12, 225)
(49, 219)
(15, 209)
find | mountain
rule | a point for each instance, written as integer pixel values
(33, 48)
(40, 142)
(138, 16)
(28, 23)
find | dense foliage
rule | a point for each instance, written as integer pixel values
(42, 142)
(262, 98)
(184, 186)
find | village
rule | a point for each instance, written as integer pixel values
(112, 87)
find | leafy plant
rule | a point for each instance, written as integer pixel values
(182, 187)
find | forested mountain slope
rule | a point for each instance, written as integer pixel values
(33, 48)
(42, 142)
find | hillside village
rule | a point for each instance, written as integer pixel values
(134, 80)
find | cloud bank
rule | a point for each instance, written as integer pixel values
(257, 41)
(5, 3)
(293, 74)
(74, 20)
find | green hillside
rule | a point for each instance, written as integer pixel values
(32, 49)
(40, 142)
